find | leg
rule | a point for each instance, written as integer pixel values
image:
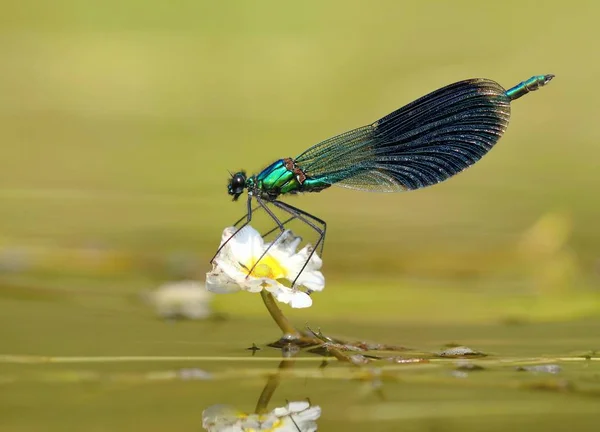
(279, 226)
(245, 217)
(248, 219)
(308, 219)
(284, 223)
(298, 213)
(269, 232)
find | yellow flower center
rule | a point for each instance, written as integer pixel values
(261, 418)
(273, 428)
(267, 267)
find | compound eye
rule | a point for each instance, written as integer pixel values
(238, 181)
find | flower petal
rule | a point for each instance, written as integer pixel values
(291, 407)
(217, 281)
(310, 277)
(230, 267)
(246, 244)
(255, 285)
(296, 416)
(313, 280)
(287, 243)
(311, 414)
(315, 260)
(295, 298)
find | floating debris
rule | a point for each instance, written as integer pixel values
(194, 374)
(551, 368)
(358, 359)
(294, 339)
(458, 352)
(326, 348)
(369, 346)
(405, 360)
(253, 348)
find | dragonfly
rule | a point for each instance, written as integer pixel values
(421, 144)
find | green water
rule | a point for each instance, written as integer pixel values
(85, 366)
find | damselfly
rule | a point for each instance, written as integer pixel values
(421, 144)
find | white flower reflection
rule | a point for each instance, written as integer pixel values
(231, 268)
(295, 416)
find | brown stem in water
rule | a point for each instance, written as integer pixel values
(283, 323)
(270, 387)
(267, 393)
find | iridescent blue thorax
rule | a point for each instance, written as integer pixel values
(283, 177)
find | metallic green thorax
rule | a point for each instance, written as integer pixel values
(532, 84)
(283, 177)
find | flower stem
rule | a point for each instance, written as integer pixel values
(283, 323)
(267, 393)
(270, 387)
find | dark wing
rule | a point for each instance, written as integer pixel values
(418, 145)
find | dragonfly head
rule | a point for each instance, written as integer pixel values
(236, 185)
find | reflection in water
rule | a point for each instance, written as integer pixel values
(293, 417)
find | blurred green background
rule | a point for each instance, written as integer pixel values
(119, 121)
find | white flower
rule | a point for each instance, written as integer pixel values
(294, 417)
(231, 268)
(185, 299)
